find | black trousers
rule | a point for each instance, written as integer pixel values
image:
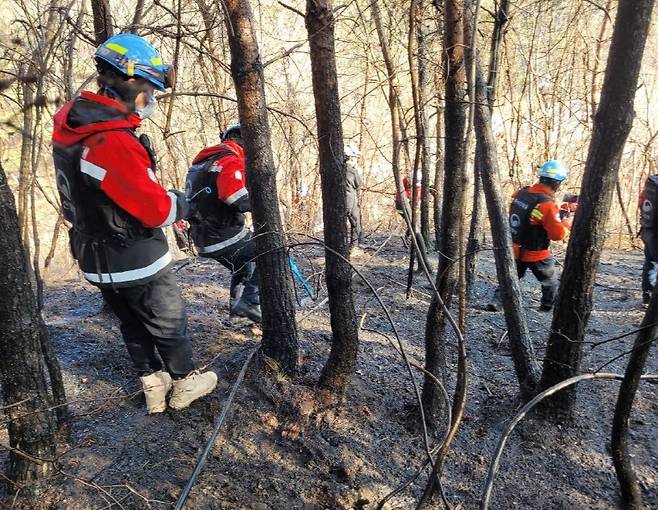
(154, 322)
(544, 271)
(239, 259)
(650, 266)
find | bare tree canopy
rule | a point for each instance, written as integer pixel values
(429, 318)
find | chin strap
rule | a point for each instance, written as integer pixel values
(109, 92)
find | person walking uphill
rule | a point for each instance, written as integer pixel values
(534, 220)
(217, 190)
(110, 195)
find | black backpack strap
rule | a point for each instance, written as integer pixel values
(145, 141)
(210, 161)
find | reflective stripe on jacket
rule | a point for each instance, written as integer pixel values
(110, 193)
(547, 215)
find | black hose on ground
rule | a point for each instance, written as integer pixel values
(211, 441)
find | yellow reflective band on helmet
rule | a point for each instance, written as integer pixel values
(117, 47)
(130, 68)
(537, 214)
(156, 61)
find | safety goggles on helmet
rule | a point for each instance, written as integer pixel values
(135, 57)
(554, 169)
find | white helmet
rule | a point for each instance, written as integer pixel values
(351, 151)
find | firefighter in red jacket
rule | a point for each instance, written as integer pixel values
(111, 196)
(535, 221)
(217, 189)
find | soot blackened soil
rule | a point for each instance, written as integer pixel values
(279, 450)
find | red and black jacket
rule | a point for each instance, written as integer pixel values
(109, 193)
(217, 189)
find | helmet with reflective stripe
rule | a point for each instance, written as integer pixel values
(554, 169)
(232, 132)
(133, 56)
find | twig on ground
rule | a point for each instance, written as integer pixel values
(625, 353)
(493, 468)
(93, 485)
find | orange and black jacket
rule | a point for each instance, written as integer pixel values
(541, 224)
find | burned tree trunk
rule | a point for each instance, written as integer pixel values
(396, 136)
(423, 93)
(476, 230)
(24, 390)
(502, 17)
(103, 29)
(438, 178)
(279, 326)
(33, 112)
(345, 342)
(612, 124)
(630, 489)
(419, 86)
(453, 187)
(523, 355)
(476, 234)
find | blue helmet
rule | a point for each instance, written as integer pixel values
(554, 169)
(134, 56)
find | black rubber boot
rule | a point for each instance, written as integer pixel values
(245, 309)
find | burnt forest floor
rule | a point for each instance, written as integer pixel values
(276, 451)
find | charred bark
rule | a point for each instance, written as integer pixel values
(476, 233)
(24, 389)
(523, 355)
(279, 326)
(103, 29)
(340, 366)
(502, 17)
(454, 187)
(630, 489)
(422, 138)
(438, 178)
(56, 382)
(476, 229)
(612, 124)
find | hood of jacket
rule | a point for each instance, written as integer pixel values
(90, 113)
(228, 146)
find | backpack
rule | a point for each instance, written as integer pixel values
(531, 237)
(648, 213)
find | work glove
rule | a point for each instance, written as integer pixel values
(182, 205)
